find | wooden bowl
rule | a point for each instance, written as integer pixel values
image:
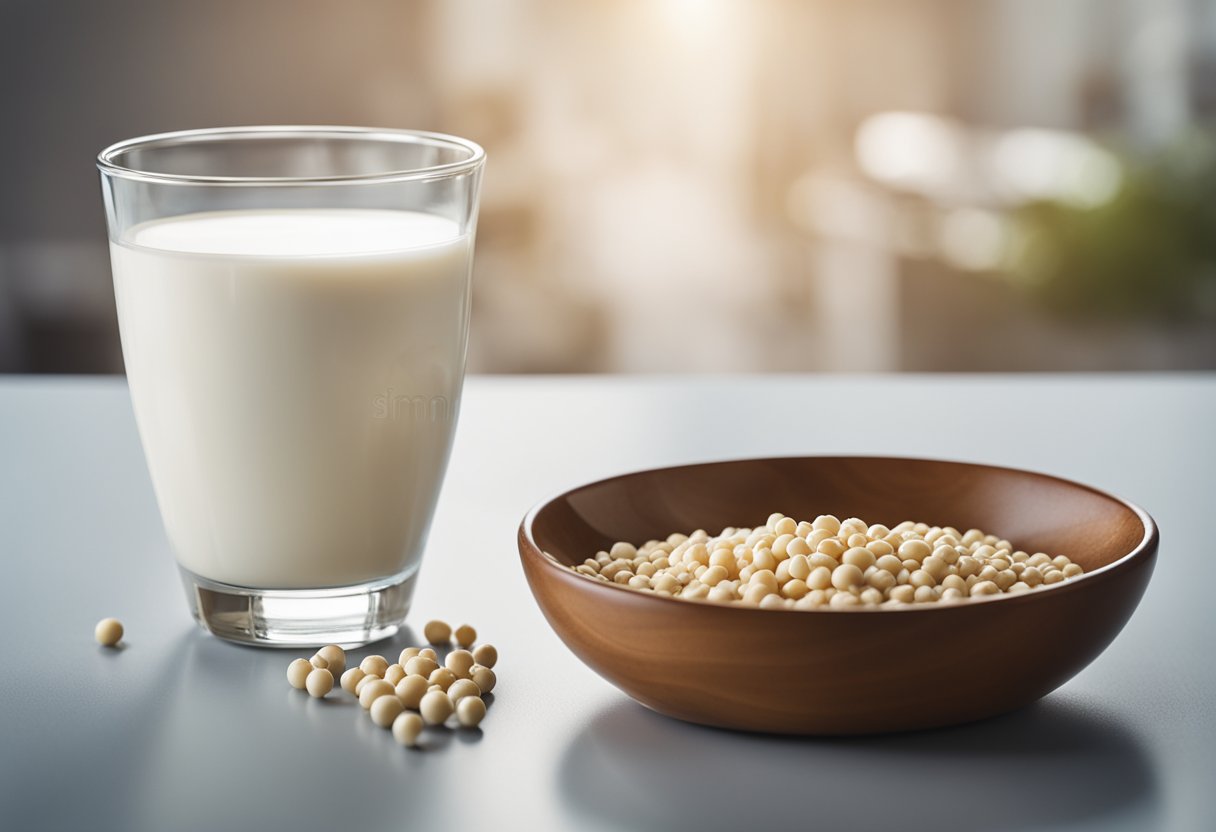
(839, 671)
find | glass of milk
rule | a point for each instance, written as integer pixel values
(294, 308)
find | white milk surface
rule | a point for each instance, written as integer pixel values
(296, 377)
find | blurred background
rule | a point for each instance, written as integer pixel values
(686, 185)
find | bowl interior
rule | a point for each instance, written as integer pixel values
(1035, 512)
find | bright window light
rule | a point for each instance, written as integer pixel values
(916, 151)
(1054, 165)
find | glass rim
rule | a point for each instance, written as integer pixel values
(107, 159)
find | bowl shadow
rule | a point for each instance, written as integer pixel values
(1050, 764)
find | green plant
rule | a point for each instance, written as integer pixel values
(1148, 254)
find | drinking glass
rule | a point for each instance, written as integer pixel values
(293, 304)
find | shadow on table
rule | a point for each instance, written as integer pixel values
(227, 744)
(1049, 764)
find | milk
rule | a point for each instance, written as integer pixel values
(296, 378)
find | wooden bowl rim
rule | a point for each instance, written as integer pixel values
(1147, 545)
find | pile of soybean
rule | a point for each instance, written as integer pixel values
(414, 692)
(829, 563)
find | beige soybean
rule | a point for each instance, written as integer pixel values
(319, 682)
(108, 632)
(845, 576)
(385, 709)
(410, 691)
(465, 636)
(954, 582)
(460, 662)
(374, 665)
(936, 567)
(421, 666)
(984, 588)
(373, 690)
(394, 674)
(880, 548)
(462, 688)
(367, 679)
(437, 632)
(820, 578)
(351, 678)
(487, 654)
(336, 657)
(844, 599)
(831, 547)
(914, 549)
(871, 596)
(904, 594)
(470, 711)
(297, 673)
(435, 707)
(407, 727)
(882, 580)
(860, 557)
(442, 677)
(794, 588)
(484, 678)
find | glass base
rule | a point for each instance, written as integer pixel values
(348, 616)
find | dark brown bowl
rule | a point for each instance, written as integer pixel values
(839, 671)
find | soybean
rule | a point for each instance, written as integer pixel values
(108, 632)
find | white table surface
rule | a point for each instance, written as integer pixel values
(180, 731)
